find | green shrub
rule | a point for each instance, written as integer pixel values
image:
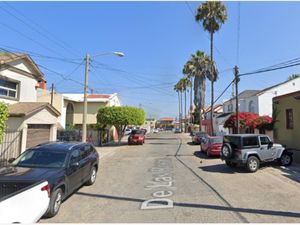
(3, 119)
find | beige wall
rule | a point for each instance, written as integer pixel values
(91, 112)
(289, 137)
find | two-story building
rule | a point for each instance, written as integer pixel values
(260, 101)
(19, 79)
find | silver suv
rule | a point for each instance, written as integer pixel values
(251, 150)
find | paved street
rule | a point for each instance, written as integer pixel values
(190, 186)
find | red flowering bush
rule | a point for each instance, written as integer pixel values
(264, 122)
(250, 120)
(246, 120)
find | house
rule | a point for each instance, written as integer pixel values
(70, 106)
(260, 101)
(166, 123)
(206, 123)
(287, 125)
(149, 124)
(20, 78)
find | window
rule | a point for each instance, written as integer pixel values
(250, 142)
(85, 151)
(75, 156)
(8, 88)
(251, 106)
(289, 119)
(264, 140)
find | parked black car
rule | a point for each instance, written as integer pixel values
(66, 166)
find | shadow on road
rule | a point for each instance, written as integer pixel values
(291, 172)
(222, 168)
(157, 143)
(191, 143)
(161, 138)
(114, 144)
(195, 205)
(202, 155)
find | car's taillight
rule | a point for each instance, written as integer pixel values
(238, 151)
(46, 188)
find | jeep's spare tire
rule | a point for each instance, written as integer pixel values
(226, 151)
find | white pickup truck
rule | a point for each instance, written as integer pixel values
(23, 202)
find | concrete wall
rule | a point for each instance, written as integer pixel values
(282, 135)
(27, 86)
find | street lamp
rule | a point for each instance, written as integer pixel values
(86, 77)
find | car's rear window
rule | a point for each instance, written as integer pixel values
(201, 134)
(137, 132)
(234, 141)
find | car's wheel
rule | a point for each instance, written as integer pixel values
(55, 203)
(93, 175)
(286, 159)
(230, 164)
(252, 164)
(226, 151)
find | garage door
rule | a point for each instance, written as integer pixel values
(37, 134)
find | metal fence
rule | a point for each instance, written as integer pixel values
(10, 147)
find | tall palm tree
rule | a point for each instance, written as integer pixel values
(185, 84)
(197, 68)
(212, 14)
(178, 89)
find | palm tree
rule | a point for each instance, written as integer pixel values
(178, 89)
(197, 69)
(212, 14)
(185, 84)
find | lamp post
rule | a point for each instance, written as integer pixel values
(86, 77)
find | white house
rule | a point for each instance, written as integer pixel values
(260, 102)
(19, 79)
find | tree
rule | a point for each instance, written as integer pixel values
(212, 14)
(293, 76)
(3, 118)
(178, 87)
(197, 68)
(120, 117)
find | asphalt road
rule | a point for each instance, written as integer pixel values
(168, 180)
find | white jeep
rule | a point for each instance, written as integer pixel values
(251, 150)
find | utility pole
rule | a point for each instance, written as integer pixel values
(52, 93)
(237, 79)
(87, 62)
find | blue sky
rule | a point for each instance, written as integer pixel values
(157, 39)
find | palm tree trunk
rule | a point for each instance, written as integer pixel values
(181, 112)
(212, 83)
(191, 101)
(185, 110)
(178, 107)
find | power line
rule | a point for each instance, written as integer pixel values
(55, 39)
(68, 75)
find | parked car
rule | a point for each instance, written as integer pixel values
(155, 131)
(24, 202)
(127, 131)
(136, 137)
(66, 166)
(198, 137)
(212, 145)
(251, 150)
(177, 130)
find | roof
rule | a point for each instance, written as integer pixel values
(6, 58)
(58, 146)
(217, 108)
(296, 94)
(90, 98)
(26, 108)
(274, 86)
(224, 115)
(245, 94)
